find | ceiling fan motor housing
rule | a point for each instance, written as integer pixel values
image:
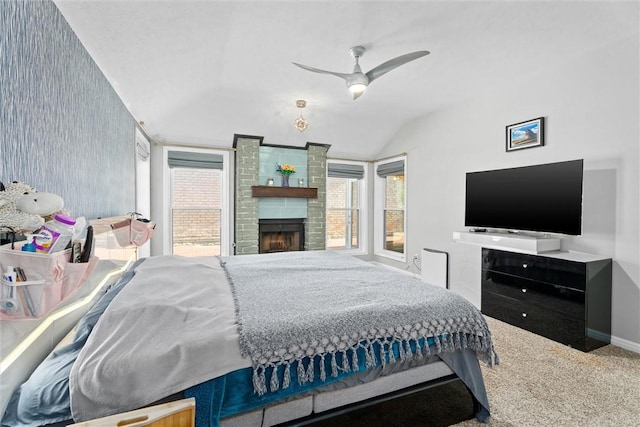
(357, 78)
(357, 51)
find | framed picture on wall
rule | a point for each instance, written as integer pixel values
(527, 134)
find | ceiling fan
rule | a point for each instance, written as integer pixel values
(357, 81)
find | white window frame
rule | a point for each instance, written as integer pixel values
(379, 188)
(225, 232)
(362, 208)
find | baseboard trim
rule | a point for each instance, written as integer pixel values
(600, 336)
(626, 344)
(390, 267)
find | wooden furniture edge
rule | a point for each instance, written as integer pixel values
(178, 413)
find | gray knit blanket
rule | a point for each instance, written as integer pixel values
(317, 304)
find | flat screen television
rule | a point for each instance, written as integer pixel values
(541, 198)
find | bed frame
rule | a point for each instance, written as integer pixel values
(182, 412)
(328, 404)
(315, 417)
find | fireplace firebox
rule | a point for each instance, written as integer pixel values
(281, 235)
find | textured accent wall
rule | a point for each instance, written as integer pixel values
(63, 129)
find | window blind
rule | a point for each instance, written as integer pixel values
(391, 168)
(345, 170)
(187, 159)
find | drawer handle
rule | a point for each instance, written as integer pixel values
(525, 265)
(524, 314)
(524, 290)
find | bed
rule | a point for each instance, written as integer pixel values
(257, 340)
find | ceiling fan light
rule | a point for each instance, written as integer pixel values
(357, 88)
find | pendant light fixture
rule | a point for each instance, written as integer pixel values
(301, 123)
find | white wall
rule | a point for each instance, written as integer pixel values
(591, 109)
(143, 187)
(158, 211)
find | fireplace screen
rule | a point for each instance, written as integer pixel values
(281, 235)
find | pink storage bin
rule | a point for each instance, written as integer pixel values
(21, 300)
(51, 279)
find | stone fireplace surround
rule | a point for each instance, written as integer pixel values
(246, 218)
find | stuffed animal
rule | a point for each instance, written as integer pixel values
(24, 209)
(43, 204)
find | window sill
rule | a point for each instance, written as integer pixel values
(355, 251)
(396, 256)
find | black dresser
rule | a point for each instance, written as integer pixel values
(563, 296)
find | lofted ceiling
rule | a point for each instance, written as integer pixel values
(198, 72)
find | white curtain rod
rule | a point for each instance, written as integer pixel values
(178, 145)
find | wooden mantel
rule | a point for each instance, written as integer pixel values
(293, 192)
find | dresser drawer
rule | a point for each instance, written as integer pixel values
(550, 324)
(569, 274)
(560, 299)
(568, 301)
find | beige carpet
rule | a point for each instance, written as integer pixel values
(543, 383)
(538, 383)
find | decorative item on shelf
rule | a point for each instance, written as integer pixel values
(301, 123)
(300, 182)
(285, 170)
(270, 182)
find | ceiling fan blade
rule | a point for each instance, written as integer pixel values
(385, 67)
(317, 70)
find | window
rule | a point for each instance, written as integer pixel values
(345, 197)
(197, 203)
(390, 208)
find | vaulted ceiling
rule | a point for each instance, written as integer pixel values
(198, 72)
